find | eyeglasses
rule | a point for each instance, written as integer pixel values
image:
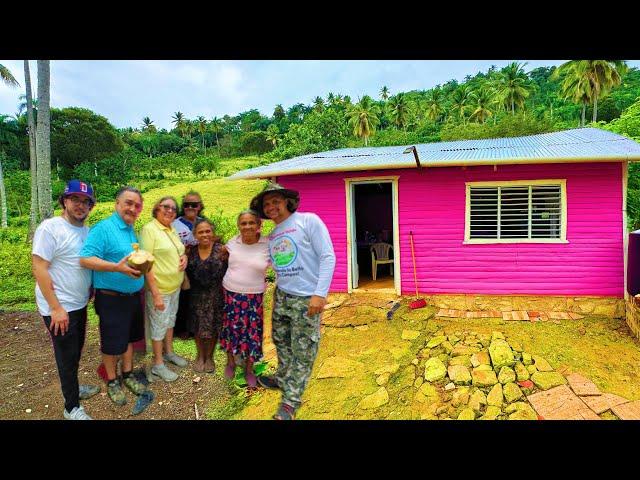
(87, 202)
(169, 208)
(191, 204)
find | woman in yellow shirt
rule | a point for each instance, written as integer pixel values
(163, 284)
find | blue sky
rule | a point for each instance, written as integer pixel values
(125, 91)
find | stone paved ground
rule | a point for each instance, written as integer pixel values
(411, 366)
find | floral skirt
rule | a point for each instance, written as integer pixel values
(242, 325)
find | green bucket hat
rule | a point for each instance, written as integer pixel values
(256, 202)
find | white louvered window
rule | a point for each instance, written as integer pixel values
(515, 211)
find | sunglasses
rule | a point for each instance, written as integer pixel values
(169, 208)
(191, 204)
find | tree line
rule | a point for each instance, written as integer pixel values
(498, 102)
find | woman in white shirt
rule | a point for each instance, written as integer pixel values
(244, 286)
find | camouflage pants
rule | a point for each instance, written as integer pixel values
(296, 337)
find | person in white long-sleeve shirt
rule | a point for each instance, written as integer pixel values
(303, 258)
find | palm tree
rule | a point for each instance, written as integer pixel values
(576, 85)
(602, 76)
(461, 99)
(147, 125)
(7, 78)
(399, 108)
(216, 127)
(278, 112)
(273, 135)
(513, 86)
(331, 98)
(43, 140)
(3, 194)
(384, 93)
(178, 121)
(318, 104)
(202, 128)
(33, 159)
(482, 100)
(435, 103)
(363, 117)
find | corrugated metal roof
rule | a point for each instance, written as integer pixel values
(577, 145)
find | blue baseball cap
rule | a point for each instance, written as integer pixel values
(77, 187)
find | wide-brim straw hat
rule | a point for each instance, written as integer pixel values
(256, 202)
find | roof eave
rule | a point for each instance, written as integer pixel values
(441, 163)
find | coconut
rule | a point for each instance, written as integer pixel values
(141, 260)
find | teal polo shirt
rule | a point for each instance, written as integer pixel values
(110, 240)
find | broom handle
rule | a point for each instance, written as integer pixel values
(413, 258)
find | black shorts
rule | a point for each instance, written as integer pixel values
(121, 321)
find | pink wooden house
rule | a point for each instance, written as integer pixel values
(543, 215)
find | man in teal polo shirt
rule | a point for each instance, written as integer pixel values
(118, 300)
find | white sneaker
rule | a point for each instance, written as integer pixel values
(77, 413)
(164, 373)
(175, 359)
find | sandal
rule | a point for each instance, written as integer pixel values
(285, 412)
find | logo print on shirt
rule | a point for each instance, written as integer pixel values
(283, 251)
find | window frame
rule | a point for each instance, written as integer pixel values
(562, 183)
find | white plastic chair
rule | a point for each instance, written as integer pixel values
(380, 255)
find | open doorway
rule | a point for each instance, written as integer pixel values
(374, 255)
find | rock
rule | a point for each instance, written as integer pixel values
(461, 349)
(521, 372)
(434, 352)
(496, 335)
(460, 396)
(339, 367)
(391, 369)
(424, 353)
(501, 354)
(382, 379)
(516, 346)
(477, 400)
(514, 407)
(415, 361)
(506, 375)
(434, 370)
(480, 358)
(491, 413)
(419, 381)
(440, 410)
(450, 386)
(542, 365)
(375, 400)
(362, 328)
(483, 378)
(444, 358)
(410, 334)
(460, 360)
(484, 368)
(526, 358)
(524, 413)
(459, 374)
(511, 392)
(495, 396)
(405, 378)
(448, 348)
(531, 369)
(196, 379)
(547, 380)
(435, 341)
(427, 394)
(28, 410)
(453, 339)
(470, 341)
(467, 414)
(485, 340)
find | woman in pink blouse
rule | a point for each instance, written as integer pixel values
(244, 286)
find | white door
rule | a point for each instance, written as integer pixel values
(354, 241)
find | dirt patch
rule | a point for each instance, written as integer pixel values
(29, 378)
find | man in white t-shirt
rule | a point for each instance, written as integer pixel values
(63, 289)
